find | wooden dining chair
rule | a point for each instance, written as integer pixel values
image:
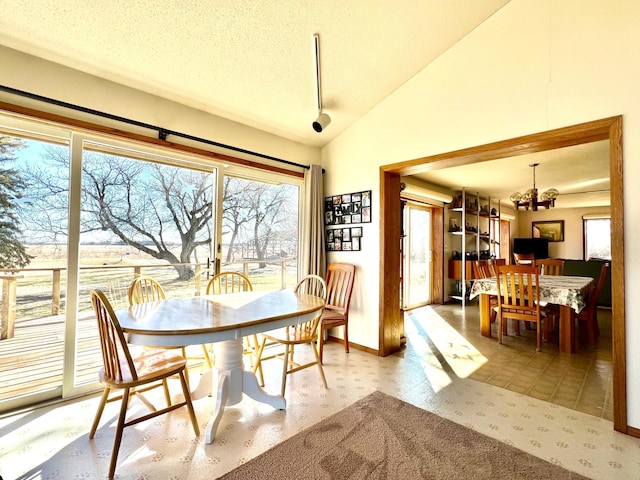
(518, 297)
(589, 314)
(340, 279)
(145, 289)
(232, 282)
(485, 269)
(132, 374)
(299, 334)
(524, 258)
(550, 266)
(228, 282)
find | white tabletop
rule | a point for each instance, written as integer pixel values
(212, 318)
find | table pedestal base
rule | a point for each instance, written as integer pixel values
(233, 381)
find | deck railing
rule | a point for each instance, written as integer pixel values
(12, 278)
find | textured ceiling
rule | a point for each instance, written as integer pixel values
(254, 62)
(250, 61)
(580, 173)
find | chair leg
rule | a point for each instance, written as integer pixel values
(119, 429)
(186, 368)
(285, 369)
(258, 369)
(591, 331)
(187, 399)
(538, 337)
(346, 338)
(96, 420)
(500, 326)
(207, 357)
(258, 365)
(321, 341)
(167, 395)
(319, 363)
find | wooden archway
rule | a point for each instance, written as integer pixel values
(390, 316)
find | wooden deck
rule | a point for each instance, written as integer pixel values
(33, 360)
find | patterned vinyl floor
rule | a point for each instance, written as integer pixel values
(435, 371)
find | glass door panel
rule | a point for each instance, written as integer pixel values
(33, 260)
(260, 231)
(418, 245)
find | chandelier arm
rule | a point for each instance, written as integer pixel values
(530, 199)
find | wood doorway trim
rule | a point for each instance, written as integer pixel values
(390, 316)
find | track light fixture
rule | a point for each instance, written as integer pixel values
(323, 119)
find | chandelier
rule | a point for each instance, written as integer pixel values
(529, 200)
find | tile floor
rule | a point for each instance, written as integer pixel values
(52, 442)
(581, 381)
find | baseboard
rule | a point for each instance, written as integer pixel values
(634, 432)
(356, 346)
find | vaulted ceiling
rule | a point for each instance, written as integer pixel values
(253, 62)
(250, 61)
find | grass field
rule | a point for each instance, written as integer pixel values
(111, 269)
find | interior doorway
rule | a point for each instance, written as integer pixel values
(610, 129)
(417, 249)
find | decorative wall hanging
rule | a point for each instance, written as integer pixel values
(348, 208)
(344, 239)
(553, 230)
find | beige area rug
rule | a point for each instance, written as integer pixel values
(381, 437)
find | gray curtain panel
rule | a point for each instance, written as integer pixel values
(313, 248)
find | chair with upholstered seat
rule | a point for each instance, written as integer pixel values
(518, 297)
(232, 282)
(340, 278)
(146, 289)
(132, 374)
(299, 334)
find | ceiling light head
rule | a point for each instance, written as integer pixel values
(321, 122)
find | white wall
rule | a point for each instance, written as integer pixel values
(573, 235)
(533, 66)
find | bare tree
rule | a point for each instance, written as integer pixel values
(269, 208)
(160, 210)
(153, 208)
(256, 213)
(236, 214)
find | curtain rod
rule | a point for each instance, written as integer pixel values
(162, 132)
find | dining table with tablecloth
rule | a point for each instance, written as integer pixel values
(568, 292)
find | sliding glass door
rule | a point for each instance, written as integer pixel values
(89, 212)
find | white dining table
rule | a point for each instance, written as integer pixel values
(566, 291)
(223, 320)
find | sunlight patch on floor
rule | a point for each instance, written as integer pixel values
(462, 357)
(432, 367)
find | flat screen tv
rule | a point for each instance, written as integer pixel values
(538, 246)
